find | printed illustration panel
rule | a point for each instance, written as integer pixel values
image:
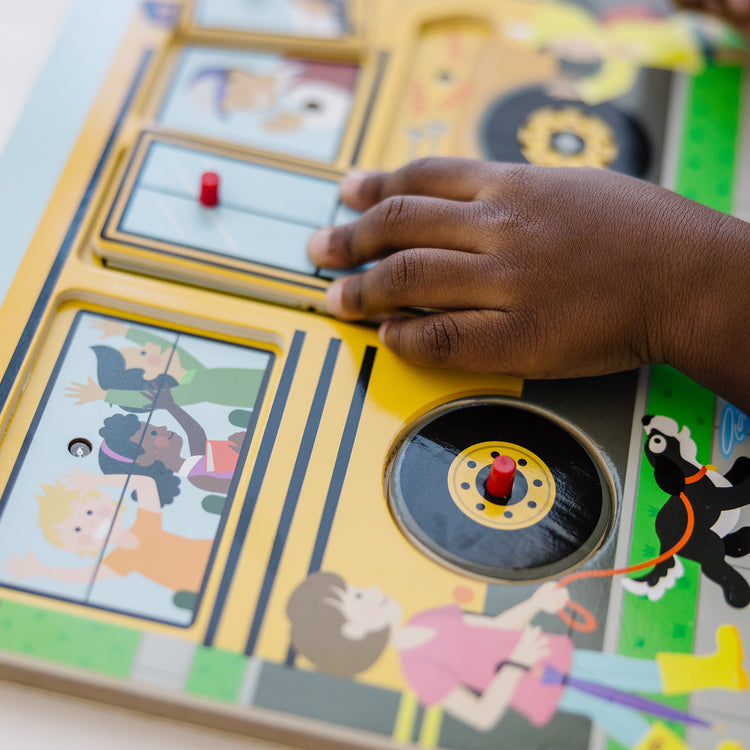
(264, 100)
(121, 486)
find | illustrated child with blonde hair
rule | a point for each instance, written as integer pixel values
(77, 516)
(476, 667)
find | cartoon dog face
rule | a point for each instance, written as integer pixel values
(671, 451)
(666, 439)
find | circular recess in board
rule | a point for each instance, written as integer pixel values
(557, 513)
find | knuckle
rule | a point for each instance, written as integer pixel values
(440, 338)
(393, 212)
(406, 271)
(532, 348)
(520, 187)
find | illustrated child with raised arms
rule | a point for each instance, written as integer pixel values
(78, 516)
(126, 376)
(477, 667)
(142, 447)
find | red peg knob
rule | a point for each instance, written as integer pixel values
(209, 189)
(502, 474)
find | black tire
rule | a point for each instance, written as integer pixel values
(420, 499)
(499, 126)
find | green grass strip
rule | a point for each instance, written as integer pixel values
(217, 674)
(708, 154)
(67, 639)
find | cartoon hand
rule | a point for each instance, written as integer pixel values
(85, 392)
(18, 567)
(109, 327)
(532, 646)
(83, 481)
(236, 440)
(160, 398)
(550, 597)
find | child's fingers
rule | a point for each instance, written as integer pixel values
(417, 277)
(452, 178)
(738, 9)
(393, 224)
(478, 340)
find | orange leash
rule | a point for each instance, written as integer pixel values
(580, 618)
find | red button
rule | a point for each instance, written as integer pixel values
(209, 189)
(502, 474)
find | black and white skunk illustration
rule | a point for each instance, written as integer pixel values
(714, 501)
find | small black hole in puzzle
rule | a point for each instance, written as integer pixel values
(79, 447)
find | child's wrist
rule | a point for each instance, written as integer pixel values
(711, 336)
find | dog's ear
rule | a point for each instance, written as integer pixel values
(668, 476)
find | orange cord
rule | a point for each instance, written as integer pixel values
(581, 619)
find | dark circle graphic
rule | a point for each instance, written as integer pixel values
(536, 532)
(500, 125)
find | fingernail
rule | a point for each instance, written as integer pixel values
(318, 244)
(383, 331)
(333, 299)
(350, 187)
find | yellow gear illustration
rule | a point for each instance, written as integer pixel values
(567, 137)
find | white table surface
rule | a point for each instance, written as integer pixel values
(32, 719)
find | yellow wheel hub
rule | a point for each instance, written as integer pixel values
(533, 489)
(567, 137)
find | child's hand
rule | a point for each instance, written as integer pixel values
(109, 327)
(532, 646)
(236, 438)
(18, 567)
(538, 272)
(85, 392)
(160, 397)
(80, 480)
(550, 597)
